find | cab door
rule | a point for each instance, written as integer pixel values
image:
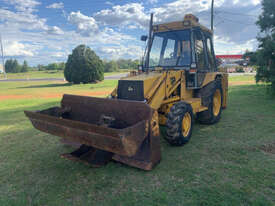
(212, 65)
(199, 66)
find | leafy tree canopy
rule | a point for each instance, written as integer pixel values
(83, 66)
(266, 52)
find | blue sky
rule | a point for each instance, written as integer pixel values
(46, 31)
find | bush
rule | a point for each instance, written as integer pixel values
(83, 66)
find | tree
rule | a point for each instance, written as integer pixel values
(266, 51)
(41, 67)
(127, 64)
(25, 67)
(110, 66)
(83, 66)
(251, 56)
(12, 66)
(8, 65)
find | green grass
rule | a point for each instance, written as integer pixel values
(52, 87)
(223, 164)
(241, 78)
(45, 74)
(35, 74)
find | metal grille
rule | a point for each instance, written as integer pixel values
(130, 90)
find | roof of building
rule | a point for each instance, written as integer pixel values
(230, 56)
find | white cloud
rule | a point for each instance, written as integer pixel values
(153, 1)
(109, 36)
(27, 21)
(256, 2)
(116, 52)
(85, 25)
(24, 5)
(132, 13)
(223, 45)
(54, 30)
(15, 48)
(135, 13)
(176, 10)
(59, 5)
(109, 3)
(22, 20)
(59, 54)
(246, 3)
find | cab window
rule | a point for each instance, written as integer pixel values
(199, 50)
(210, 54)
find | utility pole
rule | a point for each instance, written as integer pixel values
(3, 61)
(212, 15)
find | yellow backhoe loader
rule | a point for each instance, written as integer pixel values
(177, 83)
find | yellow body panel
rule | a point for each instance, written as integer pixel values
(209, 77)
(162, 89)
(225, 89)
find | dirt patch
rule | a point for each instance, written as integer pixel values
(54, 95)
(5, 97)
(269, 148)
(241, 83)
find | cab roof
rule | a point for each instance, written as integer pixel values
(190, 21)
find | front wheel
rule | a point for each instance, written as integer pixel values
(179, 124)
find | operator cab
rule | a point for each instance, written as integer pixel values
(185, 45)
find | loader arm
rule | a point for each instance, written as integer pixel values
(156, 94)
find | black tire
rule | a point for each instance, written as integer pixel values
(209, 116)
(174, 129)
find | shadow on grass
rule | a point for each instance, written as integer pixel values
(46, 86)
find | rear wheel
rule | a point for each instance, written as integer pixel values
(179, 124)
(213, 114)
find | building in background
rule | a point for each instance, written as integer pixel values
(233, 61)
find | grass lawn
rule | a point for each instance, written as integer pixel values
(229, 163)
(242, 78)
(45, 74)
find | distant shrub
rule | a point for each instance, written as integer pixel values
(83, 66)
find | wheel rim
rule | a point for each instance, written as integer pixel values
(217, 102)
(186, 124)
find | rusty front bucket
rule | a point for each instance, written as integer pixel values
(127, 129)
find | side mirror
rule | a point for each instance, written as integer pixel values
(143, 38)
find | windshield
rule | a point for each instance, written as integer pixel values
(170, 48)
